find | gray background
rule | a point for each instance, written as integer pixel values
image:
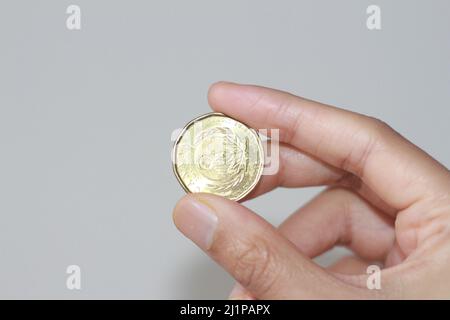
(86, 118)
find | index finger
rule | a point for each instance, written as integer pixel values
(398, 171)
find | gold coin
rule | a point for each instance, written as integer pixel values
(219, 155)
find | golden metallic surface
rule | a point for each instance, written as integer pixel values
(217, 154)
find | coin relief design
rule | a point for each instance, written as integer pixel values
(217, 154)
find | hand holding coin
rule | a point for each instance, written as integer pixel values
(386, 200)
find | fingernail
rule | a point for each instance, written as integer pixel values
(196, 220)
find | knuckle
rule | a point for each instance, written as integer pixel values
(377, 122)
(378, 127)
(289, 121)
(356, 159)
(255, 265)
(369, 137)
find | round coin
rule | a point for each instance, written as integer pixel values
(219, 155)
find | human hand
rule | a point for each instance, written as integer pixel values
(387, 201)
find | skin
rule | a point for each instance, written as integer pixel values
(386, 200)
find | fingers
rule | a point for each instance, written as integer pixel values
(240, 293)
(392, 167)
(346, 266)
(297, 169)
(338, 216)
(253, 252)
(349, 265)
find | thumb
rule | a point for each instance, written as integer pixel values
(254, 253)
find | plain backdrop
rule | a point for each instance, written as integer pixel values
(86, 119)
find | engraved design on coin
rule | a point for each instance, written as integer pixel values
(220, 156)
(217, 154)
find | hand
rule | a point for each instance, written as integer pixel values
(387, 201)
